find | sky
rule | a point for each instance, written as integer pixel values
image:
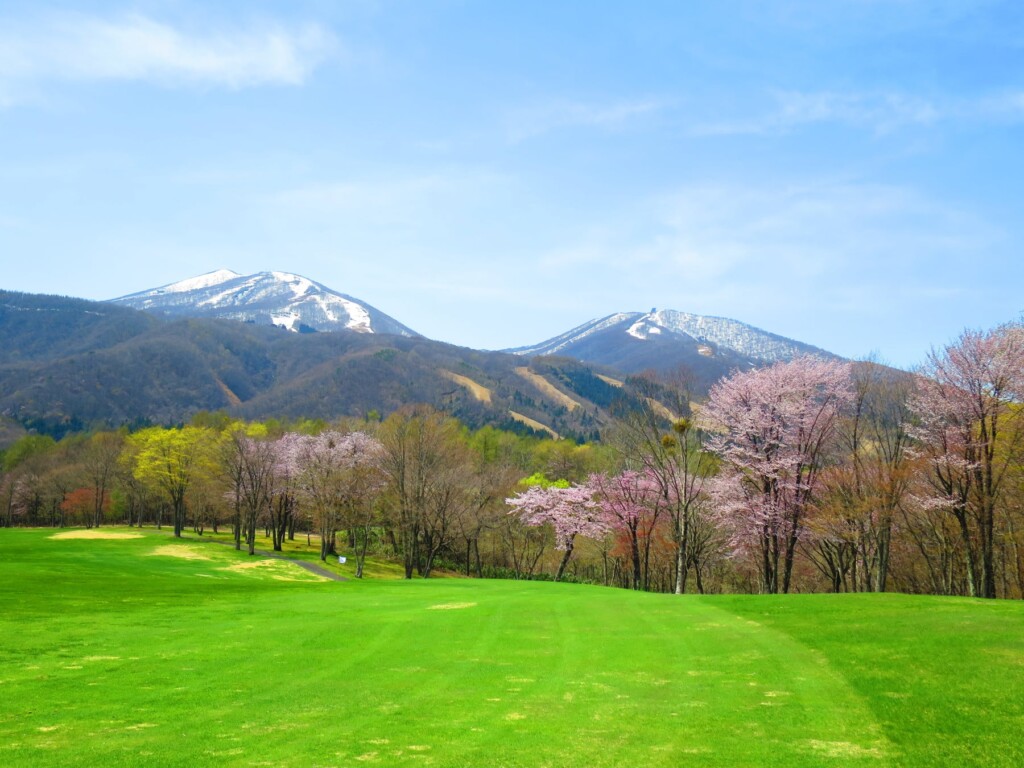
(847, 173)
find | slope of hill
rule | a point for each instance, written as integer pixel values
(266, 298)
(36, 327)
(69, 363)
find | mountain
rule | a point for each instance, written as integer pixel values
(266, 298)
(66, 364)
(665, 340)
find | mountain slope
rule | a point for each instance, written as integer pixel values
(664, 340)
(265, 298)
(163, 370)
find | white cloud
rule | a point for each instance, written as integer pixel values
(1007, 105)
(138, 48)
(879, 112)
(535, 120)
(739, 250)
(427, 200)
(833, 262)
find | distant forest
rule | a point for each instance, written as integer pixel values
(807, 475)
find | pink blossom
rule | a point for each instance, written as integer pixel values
(571, 512)
(772, 427)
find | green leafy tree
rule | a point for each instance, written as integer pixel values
(170, 460)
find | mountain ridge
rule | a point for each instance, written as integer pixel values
(279, 298)
(67, 364)
(667, 340)
(249, 344)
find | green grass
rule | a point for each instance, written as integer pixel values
(111, 655)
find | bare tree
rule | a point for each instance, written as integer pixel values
(100, 461)
(425, 465)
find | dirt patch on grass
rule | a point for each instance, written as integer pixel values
(841, 749)
(249, 565)
(233, 399)
(279, 570)
(479, 391)
(660, 409)
(450, 606)
(94, 534)
(180, 551)
(548, 388)
(534, 424)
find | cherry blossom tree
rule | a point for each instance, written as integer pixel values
(970, 430)
(330, 471)
(664, 441)
(772, 428)
(631, 502)
(571, 511)
(248, 461)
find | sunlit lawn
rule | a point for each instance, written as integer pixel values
(124, 652)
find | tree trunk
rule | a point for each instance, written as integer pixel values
(634, 551)
(565, 561)
(988, 586)
(882, 564)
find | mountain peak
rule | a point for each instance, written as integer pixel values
(199, 281)
(663, 339)
(276, 298)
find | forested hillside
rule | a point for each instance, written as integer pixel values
(66, 364)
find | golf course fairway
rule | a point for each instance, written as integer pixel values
(145, 650)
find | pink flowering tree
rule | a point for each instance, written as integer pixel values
(631, 503)
(571, 511)
(968, 428)
(332, 468)
(283, 501)
(247, 464)
(772, 428)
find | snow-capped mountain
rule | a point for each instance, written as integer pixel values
(266, 298)
(665, 339)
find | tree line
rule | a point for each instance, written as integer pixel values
(807, 475)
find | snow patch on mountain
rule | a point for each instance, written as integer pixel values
(201, 281)
(705, 333)
(577, 334)
(277, 298)
(722, 332)
(642, 328)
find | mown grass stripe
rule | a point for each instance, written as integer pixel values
(113, 656)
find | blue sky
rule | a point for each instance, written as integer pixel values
(847, 173)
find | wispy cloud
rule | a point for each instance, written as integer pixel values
(878, 112)
(76, 47)
(420, 198)
(1007, 105)
(534, 120)
(832, 249)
